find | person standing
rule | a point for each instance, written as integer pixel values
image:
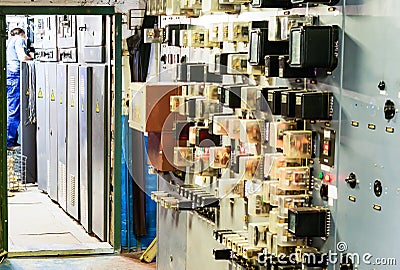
(16, 52)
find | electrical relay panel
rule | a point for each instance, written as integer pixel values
(281, 147)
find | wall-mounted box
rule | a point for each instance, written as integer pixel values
(314, 47)
(314, 105)
(149, 108)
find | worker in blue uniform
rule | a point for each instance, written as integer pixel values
(16, 52)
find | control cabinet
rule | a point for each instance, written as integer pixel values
(51, 86)
(299, 159)
(73, 141)
(43, 122)
(62, 90)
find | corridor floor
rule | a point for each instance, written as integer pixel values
(105, 262)
(38, 225)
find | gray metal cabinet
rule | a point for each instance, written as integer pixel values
(85, 146)
(99, 141)
(73, 142)
(66, 31)
(42, 134)
(62, 83)
(28, 123)
(46, 38)
(51, 86)
(91, 38)
(67, 38)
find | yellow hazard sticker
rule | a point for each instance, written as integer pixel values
(97, 107)
(72, 101)
(53, 96)
(40, 93)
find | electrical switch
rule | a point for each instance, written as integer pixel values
(378, 188)
(351, 180)
(389, 109)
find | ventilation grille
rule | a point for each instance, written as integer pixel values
(62, 179)
(72, 189)
(82, 86)
(72, 84)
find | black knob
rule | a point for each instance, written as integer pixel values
(382, 85)
(389, 109)
(183, 59)
(352, 180)
(323, 192)
(163, 59)
(378, 188)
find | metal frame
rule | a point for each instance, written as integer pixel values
(70, 10)
(3, 140)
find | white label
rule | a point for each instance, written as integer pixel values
(327, 133)
(326, 168)
(284, 99)
(332, 192)
(270, 97)
(298, 100)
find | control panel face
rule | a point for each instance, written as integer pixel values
(285, 131)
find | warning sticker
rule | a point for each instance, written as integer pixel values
(53, 96)
(97, 107)
(40, 93)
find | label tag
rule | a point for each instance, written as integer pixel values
(53, 96)
(332, 192)
(327, 133)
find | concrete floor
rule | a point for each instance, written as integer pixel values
(77, 263)
(36, 224)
